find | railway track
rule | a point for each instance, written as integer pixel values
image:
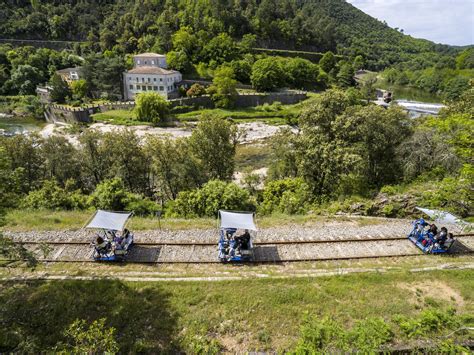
(172, 252)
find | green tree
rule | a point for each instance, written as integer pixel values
(345, 76)
(223, 88)
(220, 49)
(184, 41)
(213, 143)
(290, 196)
(79, 89)
(267, 75)
(248, 42)
(174, 166)
(302, 74)
(179, 61)
(367, 87)
(25, 159)
(25, 78)
(328, 62)
(127, 160)
(60, 90)
(151, 107)
(465, 59)
(242, 69)
(103, 74)
(60, 159)
(94, 158)
(358, 63)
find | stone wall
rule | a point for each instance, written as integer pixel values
(61, 113)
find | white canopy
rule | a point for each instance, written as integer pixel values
(441, 216)
(239, 220)
(109, 220)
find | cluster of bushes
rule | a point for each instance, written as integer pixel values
(209, 199)
(374, 335)
(109, 195)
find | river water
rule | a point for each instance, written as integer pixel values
(10, 125)
(417, 108)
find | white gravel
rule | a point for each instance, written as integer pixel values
(332, 230)
(253, 131)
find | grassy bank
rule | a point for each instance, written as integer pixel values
(41, 220)
(237, 316)
(119, 117)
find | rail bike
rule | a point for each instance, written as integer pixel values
(236, 231)
(112, 241)
(427, 237)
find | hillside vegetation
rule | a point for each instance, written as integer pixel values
(134, 26)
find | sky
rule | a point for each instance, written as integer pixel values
(441, 21)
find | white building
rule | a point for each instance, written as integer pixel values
(150, 74)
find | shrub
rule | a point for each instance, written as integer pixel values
(317, 335)
(325, 336)
(389, 190)
(288, 196)
(92, 339)
(368, 335)
(52, 196)
(196, 90)
(428, 322)
(112, 195)
(451, 193)
(213, 196)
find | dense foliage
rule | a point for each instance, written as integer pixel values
(131, 26)
(345, 154)
(114, 170)
(345, 149)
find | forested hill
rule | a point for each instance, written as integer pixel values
(143, 25)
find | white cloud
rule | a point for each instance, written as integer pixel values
(441, 21)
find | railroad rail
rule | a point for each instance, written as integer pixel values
(172, 252)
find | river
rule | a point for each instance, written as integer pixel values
(10, 125)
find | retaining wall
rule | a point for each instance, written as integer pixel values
(60, 113)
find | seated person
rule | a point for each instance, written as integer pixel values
(244, 240)
(442, 236)
(433, 229)
(101, 245)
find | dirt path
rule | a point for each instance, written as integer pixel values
(147, 277)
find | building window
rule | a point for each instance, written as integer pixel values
(152, 62)
(146, 62)
(155, 88)
(143, 80)
(161, 80)
(154, 79)
(137, 79)
(131, 87)
(162, 88)
(138, 61)
(129, 79)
